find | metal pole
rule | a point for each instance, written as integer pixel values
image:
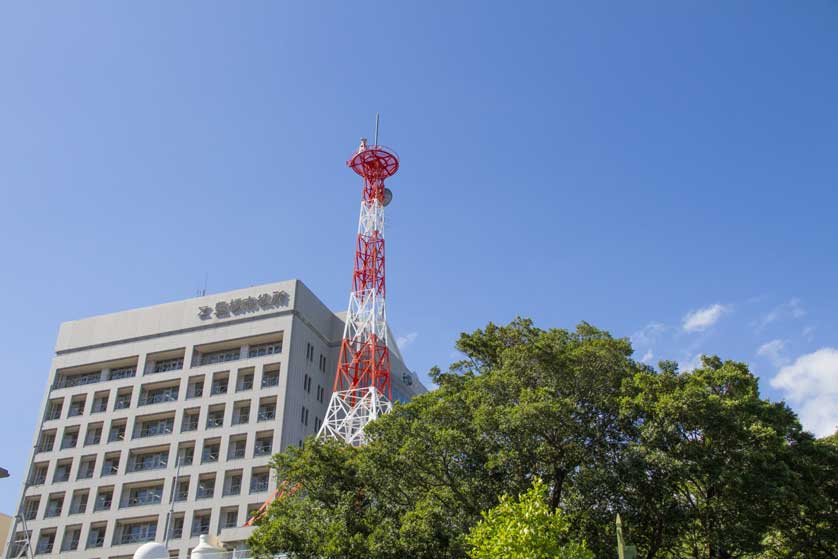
(171, 515)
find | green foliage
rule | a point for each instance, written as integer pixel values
(524, 529)
(698, 465)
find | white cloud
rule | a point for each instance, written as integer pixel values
(811, 383)
(647, 357)
(405, 341)
(774, 351)
(690, 363)
(647, 335)
(702, 319)
(808, 333)
(790, 309)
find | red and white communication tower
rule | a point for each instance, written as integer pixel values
(362, 383)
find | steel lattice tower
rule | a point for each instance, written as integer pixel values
(362, 382)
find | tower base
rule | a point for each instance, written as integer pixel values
(349, 412)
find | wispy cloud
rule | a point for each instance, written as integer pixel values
(702, 319)
(648, 335)
(774, 351)
(790, 309)
(691, 362)
(811, 382)
(405, 341)
(647, 357)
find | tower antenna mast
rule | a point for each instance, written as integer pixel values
(362, 389)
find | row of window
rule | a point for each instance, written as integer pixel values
(130, 531)
(156, 393)
(147, 493)
(149, 458)
(157, 424)
(165, 362)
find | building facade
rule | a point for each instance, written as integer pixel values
(183, 402)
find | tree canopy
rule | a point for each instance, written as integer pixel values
(697, 463)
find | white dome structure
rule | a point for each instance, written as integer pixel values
(152, 550)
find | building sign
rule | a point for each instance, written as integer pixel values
(246, 305)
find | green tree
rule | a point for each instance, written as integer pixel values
(698, 465)
(524, 529)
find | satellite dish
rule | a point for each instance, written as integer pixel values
(388, 196)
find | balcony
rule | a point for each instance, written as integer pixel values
(262, 450)
(266, 415)
(258, 485)
(142, 499)
(215, 421)
(103, 504)
(146, 464)
(154, 430)
(78, 380)
(158, 398)
(236, 453)
(95, 540)
(270, 380)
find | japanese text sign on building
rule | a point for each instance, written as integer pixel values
(244, 305)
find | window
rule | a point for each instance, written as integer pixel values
(232, 483)
(65, 381)
(304, 416)
(70, 438)
(185, 453)
(70, 542)
(270, 378)
(78, 505)
(104, 498)
(139, 496)
(45, 542)
(322, 366)
(152, 460)
(30, 507)
(190, 420)
(158, 395)
(206, 487)
(86, 467)
(168, 365)
(54, 410)
(111, 465)
(229, 517)
(264, 445)
(96, 535)
(210, 451)
(135, 532)
(182, 490)
(219, 384)
(62, 471)
(117, 432)
(123, 399)
(76, 406)
(54, 506)
(195, 388)
(244, 381)
(93, 435)
(200, 523)
(220, 356)
(177, 527)
(39, 474)
(267, 410)
(307, 383)
(215, 417)
(320, 392)
(309, 352)
(154, 427)
(241, 413)
(317, 424)
(123, 372)
(100, 403)
(264, 349)
(259, 481)
(46, 441)
(237, 447)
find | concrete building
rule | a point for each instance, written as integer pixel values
(216, 383)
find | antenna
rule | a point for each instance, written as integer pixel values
(375, 143)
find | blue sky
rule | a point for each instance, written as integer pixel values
(666, 171)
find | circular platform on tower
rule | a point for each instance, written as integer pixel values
(375, 162)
